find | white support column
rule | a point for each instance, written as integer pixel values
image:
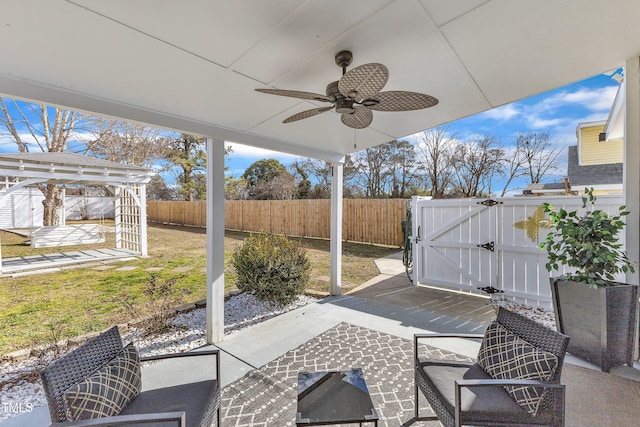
(215, 240)
(631, 175)
(632, 163)
(142, 194)
(336, 228)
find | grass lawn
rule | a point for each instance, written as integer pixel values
(41, 308)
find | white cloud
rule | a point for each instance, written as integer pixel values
(505, 112)
(597, 99)
(595, 117)
(557, 112)
(540, 123)
(8, 143)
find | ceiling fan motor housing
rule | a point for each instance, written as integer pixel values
(342, 103)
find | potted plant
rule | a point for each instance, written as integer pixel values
(596, 311)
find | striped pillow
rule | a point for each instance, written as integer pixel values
(108, 390)
(504, 355)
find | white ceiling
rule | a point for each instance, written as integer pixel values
(193, 65)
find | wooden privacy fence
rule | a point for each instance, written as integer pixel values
(374, 221)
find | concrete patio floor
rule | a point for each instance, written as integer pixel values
(387, 303)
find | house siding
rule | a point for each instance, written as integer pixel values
(594, 152)
(603, 192)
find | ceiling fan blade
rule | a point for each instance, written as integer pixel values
(400, 101)
(364, 81)
(306, 114)
(359, 119)
(297, 94)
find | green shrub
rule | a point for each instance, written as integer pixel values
(273, 268)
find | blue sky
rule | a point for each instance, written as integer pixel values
(558, 111)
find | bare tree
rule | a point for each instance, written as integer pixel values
(280, 187)
(476, 164)
(513, 161)
(373, 170)
(50, 129)
(403, 164)
(301, 178)
(157, 189)
(437, 151)
(320, 173)
(533, 156)
(128, 143)
(539, 155)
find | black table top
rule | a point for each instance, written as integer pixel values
(333, 397)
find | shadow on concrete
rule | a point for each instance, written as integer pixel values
(396, 298)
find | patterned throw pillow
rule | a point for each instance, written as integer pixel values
(504, 355)
(108, 390)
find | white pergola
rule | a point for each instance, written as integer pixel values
(193, 65)
(128, 181)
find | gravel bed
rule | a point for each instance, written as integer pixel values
(540, 315)
(20, 383)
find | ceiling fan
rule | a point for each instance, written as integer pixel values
(356, 94)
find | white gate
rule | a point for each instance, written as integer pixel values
(467, 244)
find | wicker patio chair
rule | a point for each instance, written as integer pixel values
(462, 393)
(191, 404)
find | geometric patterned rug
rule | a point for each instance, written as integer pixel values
(267, 397)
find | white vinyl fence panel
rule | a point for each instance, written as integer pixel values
(95, 207)
(23, 208)
(467, 244)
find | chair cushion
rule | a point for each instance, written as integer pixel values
(479, 405)
(504, 355)
(107, 390)
(198, 400)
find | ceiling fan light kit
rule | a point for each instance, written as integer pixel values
(356, 94)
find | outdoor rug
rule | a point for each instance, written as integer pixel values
(268, 396)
